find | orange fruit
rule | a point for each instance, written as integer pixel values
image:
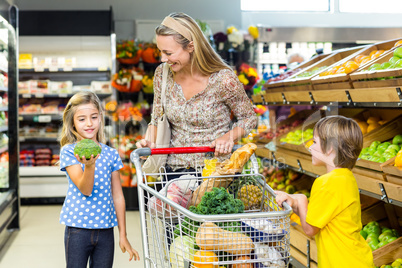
(372, 126)
(202, 256)
(398, 43)
(363, 126)
(325, 73)
(372, 53)
(334, 69)
(358, 59)
(373, 119)
(365, 60)
(341, 70)
(398, 159)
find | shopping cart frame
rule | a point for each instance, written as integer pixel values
(135, 157)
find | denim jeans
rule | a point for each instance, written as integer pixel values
(81, 244)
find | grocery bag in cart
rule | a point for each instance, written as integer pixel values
(222, 220)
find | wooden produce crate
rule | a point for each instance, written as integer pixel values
(273, 97)
(393, 174)
(387, 131)
(388, 253)
(298, 239)
(368, 79)
(383, 133)
(297, 96)
(278, 86)
(301, 115)
(257, 99)
(295, 83)
(342, 81)
(263, 152)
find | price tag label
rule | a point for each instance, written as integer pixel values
(39, 69)
(53, 69)
(102, 68)
(39, 95)
(44, 118)
(20, 118)
(63, 95)
(68, 69)
(26, 96)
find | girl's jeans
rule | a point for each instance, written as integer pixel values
(81, 244)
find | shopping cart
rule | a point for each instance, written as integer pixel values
(174, 236)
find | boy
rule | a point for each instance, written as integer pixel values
(333, 213)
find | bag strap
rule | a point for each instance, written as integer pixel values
(165, 72)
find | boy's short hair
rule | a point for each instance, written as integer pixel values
(343, 135)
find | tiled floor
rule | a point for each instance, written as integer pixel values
(39, 242)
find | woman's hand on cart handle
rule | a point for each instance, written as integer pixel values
(222, 146)
(145, 143)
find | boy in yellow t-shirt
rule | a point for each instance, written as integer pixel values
(333, 214)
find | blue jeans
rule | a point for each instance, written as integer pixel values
(81, 244)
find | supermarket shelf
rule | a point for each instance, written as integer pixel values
(40, 118)
(59, 95)
(48, 171)
(43, 187)
(63, 70)
(38, 139)
(354, 98)
(382, 190)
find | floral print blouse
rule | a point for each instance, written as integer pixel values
(205, 116)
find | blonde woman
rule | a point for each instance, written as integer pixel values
(94, 202)
(201, 93)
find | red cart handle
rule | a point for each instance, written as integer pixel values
(182, 150)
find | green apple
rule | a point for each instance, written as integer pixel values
(382, 243)
(374, 144)
(394, 147)
(375, 159)
(398, 52)
(383, 146)
(374, 67)
(364, 234)
(385, 65)
(397, 139)
(390, 239)
(385, 235)
(364, 151)
(382, 159)
(393, 60)
(373, 245)
(398, 64)
(372, 150)
(378, 153)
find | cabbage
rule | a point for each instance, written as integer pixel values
(182, 249)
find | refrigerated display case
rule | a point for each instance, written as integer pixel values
(9, 152)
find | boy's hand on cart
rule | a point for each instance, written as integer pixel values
(284, 197)
(222, 146)
(126, 246)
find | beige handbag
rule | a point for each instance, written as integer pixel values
(163, 132)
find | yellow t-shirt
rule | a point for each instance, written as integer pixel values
(334, 207)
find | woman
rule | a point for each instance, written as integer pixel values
(201, 92)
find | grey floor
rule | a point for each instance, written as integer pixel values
(39, 242)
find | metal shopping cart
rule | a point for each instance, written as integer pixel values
(174, 236)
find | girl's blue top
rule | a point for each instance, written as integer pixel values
(95, 211)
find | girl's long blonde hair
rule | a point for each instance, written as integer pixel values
(204, 56)
(69, 134)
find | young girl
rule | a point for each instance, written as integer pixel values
(94, 202)
(333, 214)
